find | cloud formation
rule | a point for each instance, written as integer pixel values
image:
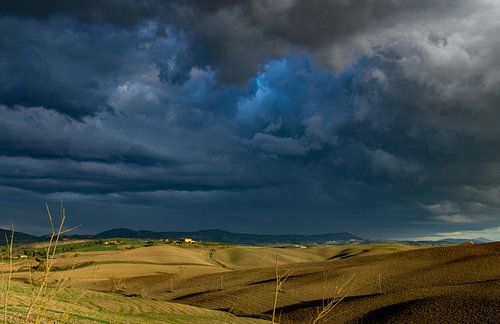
(375, 117)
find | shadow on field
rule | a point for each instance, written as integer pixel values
(440, 309)
(317, 303)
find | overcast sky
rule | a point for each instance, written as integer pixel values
(381, 118)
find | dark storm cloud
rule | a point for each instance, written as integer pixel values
(72, 68)
(49, 66)
(238, 36)
(377, 117)
(241, 35)
(122, 13)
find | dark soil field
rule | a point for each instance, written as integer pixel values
(457, 284)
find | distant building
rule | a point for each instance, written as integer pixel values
(186, 240)
(20, 256)
(110, 243)
(287, 246)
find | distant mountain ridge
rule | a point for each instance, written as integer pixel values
(446, 241)
(459, 240)
(216, 235)
(18, 236)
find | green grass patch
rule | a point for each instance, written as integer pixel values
(96, 307)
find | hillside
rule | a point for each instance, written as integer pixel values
(100, 270)
(245, 257)
(382, 282)
(94, 307)
(433, 285)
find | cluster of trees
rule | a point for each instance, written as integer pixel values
(41, 253)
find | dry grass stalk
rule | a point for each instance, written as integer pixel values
(280, 280)
(41, 296)
(379, 284)
(117, 283)
(340, 294)
(6, 283)
(325, 283)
